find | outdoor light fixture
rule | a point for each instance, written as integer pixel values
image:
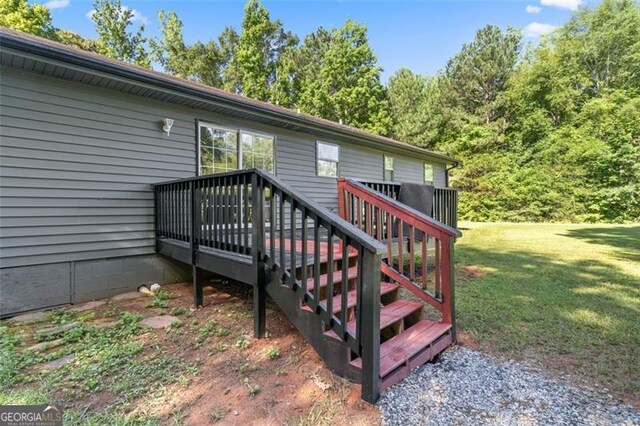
(167, 123)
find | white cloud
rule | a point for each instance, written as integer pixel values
(536, 29)
(533, 9)
(136, 16)
(56, 4)
(562, 4)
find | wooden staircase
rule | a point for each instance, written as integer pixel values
(344, 281)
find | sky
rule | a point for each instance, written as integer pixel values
(420, 34)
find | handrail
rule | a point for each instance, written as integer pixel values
(344, 226)
(405, 231)
(291, 239)
(414, 215)
(445, 200)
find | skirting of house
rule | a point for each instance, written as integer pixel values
(28, 288)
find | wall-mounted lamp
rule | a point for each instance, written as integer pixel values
(167, 123)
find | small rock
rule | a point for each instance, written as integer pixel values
(155, 287)
(144, 290)
(159, 321)
(56, 330)
(235, 412)
(33, 316)
(127, 296)
(88, 306)
(55, 364)
(45, 345)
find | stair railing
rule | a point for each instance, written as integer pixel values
(445, 200)
(289, 236)
(409, 236)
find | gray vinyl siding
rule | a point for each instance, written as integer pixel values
(76, 163)
(410, 170)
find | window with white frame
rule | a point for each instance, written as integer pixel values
(388, 168)
(257, 151)
(428, 174)
(224, 149)
(328, 159)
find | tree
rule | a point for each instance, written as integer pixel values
(261, 47)
(74, 39)
(480, 71)
(344, 84)
(27, 17)
(170, 51)
(112, 21)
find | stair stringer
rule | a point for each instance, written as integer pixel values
(334, 353)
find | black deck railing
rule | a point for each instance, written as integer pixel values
(288, 237)
(445, 200)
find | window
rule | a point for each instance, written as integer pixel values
(218, 150)
(388, 168)
(328, 156)
(224, 150)
(428, 174)
(257, 151)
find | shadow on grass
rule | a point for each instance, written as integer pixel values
(626, 239)
(579, 316)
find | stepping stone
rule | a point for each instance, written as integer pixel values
(88, 306)
(127, 296)
(160, 321)
(33, 316)
(56, 330)
(39, 347)
(55, 364)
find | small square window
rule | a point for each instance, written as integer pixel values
(328, 158)
(428, 174)
(388, 168)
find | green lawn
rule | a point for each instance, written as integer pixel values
(564, 296)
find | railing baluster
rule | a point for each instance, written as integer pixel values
(245, 212)
(412, 256)
(292, 277)
(425, 262)
(272, 226)
(400, 244)
(303, 242)
(283, 231)
(344, 294)
(316, 265)
(436, 276)
(330, 269)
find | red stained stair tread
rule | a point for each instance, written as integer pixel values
(389, 314)
(337, 277)
(352, 297)
(397, 350)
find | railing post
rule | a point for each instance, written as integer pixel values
(193, 243)
(257, 252)
(341, 196)
(448, 287)
(368, 325)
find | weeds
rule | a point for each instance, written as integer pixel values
(273, 352)
(160, 300)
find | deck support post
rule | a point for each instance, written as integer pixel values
(452, 289)
(257, 253)
(197, 286)
(194, 229)
(369, 324)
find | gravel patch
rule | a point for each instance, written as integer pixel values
(466, 387)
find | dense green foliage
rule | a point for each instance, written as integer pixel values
(551, 133)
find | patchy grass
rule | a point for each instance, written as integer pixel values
(201, 369)
(564, 296)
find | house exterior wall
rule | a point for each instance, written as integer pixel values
(76, 164)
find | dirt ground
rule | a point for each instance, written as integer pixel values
(235, 378)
